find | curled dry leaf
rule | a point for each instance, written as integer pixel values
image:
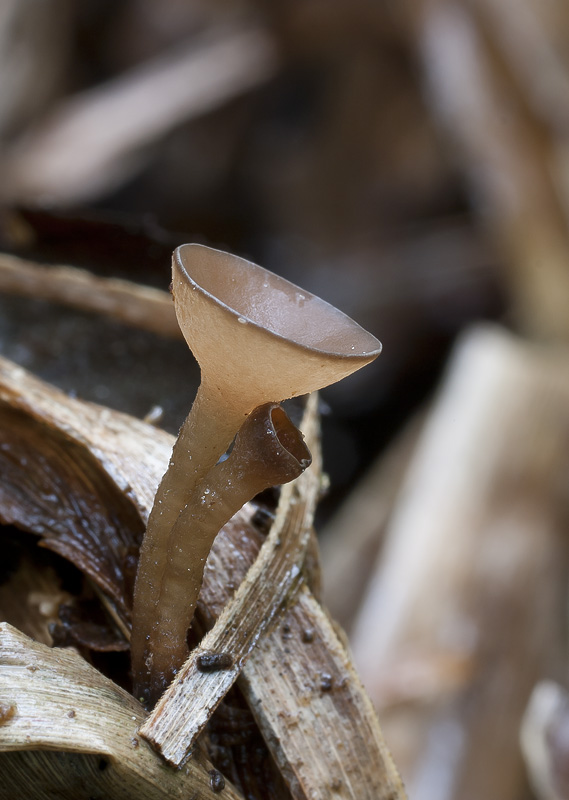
(73, 732)
(67, 500)
(83, 623)
(140, 306)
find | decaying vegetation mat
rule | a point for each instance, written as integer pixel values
(83, 478)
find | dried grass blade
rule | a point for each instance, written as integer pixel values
(139, 306)
(58, 702)
(312, 709)
(95, 139)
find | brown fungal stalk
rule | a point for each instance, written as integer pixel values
(268, 450)
(258, 339)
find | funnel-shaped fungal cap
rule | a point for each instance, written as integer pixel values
(262, 338)
(268, 451)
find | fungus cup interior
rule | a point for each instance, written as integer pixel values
(257, 336)
(290, 437)
(258, 339)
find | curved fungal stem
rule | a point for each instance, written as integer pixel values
(268, 450)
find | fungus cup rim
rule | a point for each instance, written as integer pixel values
(346, 320)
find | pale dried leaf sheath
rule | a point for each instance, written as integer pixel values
(135, 455)
(352, 540)
(505, 156)
(543, 738)
(479, 535)
(301, 685)
(88, 726)
(140, 306)
(185, 708)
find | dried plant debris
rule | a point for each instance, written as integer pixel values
(83, 623)
(545, 742)
(301, 684)
(69, 732)
(238, 751)
(139, 306)
(67, 500)
(479, 532)
(302, 689)
(32, 585)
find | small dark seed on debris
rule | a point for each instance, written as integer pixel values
(216, 781)
(212, 662)
(325, 682)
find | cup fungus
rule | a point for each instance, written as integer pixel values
(258, 339)
(268, 450)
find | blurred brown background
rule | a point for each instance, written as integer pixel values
(409, 163)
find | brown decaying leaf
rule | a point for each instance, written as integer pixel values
(303, 690)
(66, 499)
(83, 624)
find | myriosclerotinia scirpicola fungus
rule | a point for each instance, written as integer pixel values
(258, 339)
